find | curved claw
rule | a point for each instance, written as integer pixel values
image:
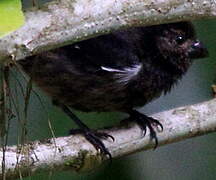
(143, 128)
(147, 122)
(153, 136)
(104, 135)
(156, 143)
(94, 138)
(157, 124)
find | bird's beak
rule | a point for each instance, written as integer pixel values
(198, 50)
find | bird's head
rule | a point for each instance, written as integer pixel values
(177, 45)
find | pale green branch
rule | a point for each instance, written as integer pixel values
(66, 21)
(76, 154)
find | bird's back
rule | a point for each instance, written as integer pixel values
(108, 73)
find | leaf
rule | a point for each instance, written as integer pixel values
(11, 16)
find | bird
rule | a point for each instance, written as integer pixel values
(120, 71)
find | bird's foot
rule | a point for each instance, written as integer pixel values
(145, 122)
(94, 137)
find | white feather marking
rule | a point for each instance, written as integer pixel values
(111, 69)
(76, 47)
(126, 74)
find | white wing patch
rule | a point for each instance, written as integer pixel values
(111, 69)
(126, 74)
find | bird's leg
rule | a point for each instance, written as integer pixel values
(92, 136)
(146, 122)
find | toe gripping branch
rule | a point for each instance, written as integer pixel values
(145, 122)
(93, 136)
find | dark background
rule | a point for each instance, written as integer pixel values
(190, 159)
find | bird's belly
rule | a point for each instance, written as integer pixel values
(94, 94)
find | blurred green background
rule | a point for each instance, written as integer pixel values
(190, 159)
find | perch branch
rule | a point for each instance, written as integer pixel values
(77, 154)
(61, 22)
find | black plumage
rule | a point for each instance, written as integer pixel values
(116, 72)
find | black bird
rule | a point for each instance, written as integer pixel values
(116, 72)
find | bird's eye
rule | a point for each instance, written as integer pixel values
(180, 39)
